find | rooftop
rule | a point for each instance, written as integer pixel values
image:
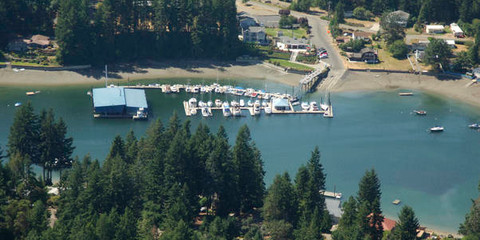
(401, 14)
(135, 98)
(290, 40)
(334, 206)
(253, 29)
(280, 102)
(104, 97)
(268, 20)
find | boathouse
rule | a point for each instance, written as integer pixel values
(281, 104)
(118, 101)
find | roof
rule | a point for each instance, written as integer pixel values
(450, 41)
(455, 28)
(253, 29)
(362, 34)
(247, 22)
(280, 102)
(435, 27)
(334, 206)
(289, 40)
(268, 20)
(40, 40)
(135, 98)
(388, 224)
(105, 97)
(401, 14)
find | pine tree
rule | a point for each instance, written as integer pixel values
(407, 225)
(280, 202)
(23, 137)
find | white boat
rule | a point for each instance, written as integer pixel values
(209, 103)
(141, 114)
(268, 110)
(437, 129)
(256, 108)
(168, 89)
(305, 106)
(218, 103)
(242, 103)
(217, 90)
(193, 111)
(195, 89)
(202, 89)
(192, 102)
(250, 103)
(18, 104)
(188, 89)
(226, 110)
(474, 126)
(236, 111)
(264, 104)
(89, 93)
(15, 70)
(174, 89)
(314, 106)
(30, 93)
(202, 104)
(234, 103)
(324, 106)
(206, 112)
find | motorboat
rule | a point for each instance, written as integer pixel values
(141, 114)
(242, 103)
(474, 126)
(234, 103)
(206, 112)
(202, 104)
(89, 93)
(30, 93)
(236, 111)
(192, 102)
(314, 106)
(264, 104)
(437, 129)
(226, 110)
(174, 89)
(256, 108)
(195, 89)
(202, 89)
(305, 106)
(168, 89)
(257, 102)
(209, 103)
(250, 103)
(18, 104)
(420, 112)
(218, 103)
(193, 111)
(188, 89)
(324, 106)
(268, 110)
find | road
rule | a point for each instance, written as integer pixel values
(319, 38)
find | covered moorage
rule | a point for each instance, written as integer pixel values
(118, 102)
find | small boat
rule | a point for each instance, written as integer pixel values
(474, 126)
(396, 201)
(174, 89)
(257, 102)
(305, 106)
(226, 110)
(250, 103)
(202, 89)
(195, 89)
(405, 94)
(202, 104)
(256, 108)
(89, 93)
(264, 104)
(206, 112)
(188, 89)
(420, 112)
(268, 110)
(236, 111)
(141, 114)
(234, 103)
(217, 90)
(18, 104)
(218, 103)
(30, 93)
(37, 92)
(437, 129)
(168, 89)
(209, 103)
(193, 111)
(242, 103)
(314, 106)
(192, 102)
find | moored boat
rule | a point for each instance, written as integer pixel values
(420, 112)
(242, 103)
(314, 106)
(218, 103)
(256, 108)
(18, 104)
(474, 126)
(141, 114)
(192, 102)
(206, 112)
(226, 110)
(268, 110)
(305, 106)
(437, 129)
(209, 103)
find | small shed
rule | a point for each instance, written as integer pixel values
(456, 30)
(432, 29)
(281, 104)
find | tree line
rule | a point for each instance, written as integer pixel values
(98, 32)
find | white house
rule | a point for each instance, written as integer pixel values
(435, 29)
(456, 30)
(450, 43)
(255, 34)
(286, 43)
(365, 36)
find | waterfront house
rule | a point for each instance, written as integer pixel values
(456, 30)
(367, 55)
(432, 29)
(286, 43)
(34, 42)
(400, 17)
(358, 35)
(255, 34)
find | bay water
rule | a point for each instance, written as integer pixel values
(436, 174)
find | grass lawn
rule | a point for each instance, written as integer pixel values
(286, 64)
(14, 63)
(298, 33)
(386, 61)
(280, 58)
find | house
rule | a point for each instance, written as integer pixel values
(365, 36)
(343, 39)
(400, 17)
(39, 41)
(432, 29)
(450, 43)
(420, 46)
(269, 21)
(36, 41)
(334, 207)
(246, 22)
(367, 55)
(17, 45)
(456, 30)
(388, 224)
(286, 43)
(255, 34)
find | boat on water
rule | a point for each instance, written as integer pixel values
(30, 93)
(250, 103)
(18, 104)
(188, 89)
(218, 103)
(314, 106)
(396, 201)
(202, 89)
(234, 103)
(236, 111)
(420, 112)
(226, 110)
(257, 102)
(89, 93)
(264, 104)
(403, 94)
(242, 103)
(268, 110)
(256, 108)
(324, 106)
(202, 104)
(305, 106)
(192, 102)
(168, 89)
(206, 112)
(174, 89)
(209, 103)
(195, 89)
(193, 111)
(141, 114)
(474, 126)
(437, 129)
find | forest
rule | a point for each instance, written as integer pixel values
(98, 32)
(172, 183)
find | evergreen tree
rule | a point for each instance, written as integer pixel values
(437, 53)
(280, 202)
(369, 195)
(339, 12)
(407, 225)
(23, 137)
(471, 226)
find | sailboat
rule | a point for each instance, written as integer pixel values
(323, 105)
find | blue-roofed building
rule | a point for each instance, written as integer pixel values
(118, 101)
(281, 104)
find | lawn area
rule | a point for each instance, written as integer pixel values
(386, 61)
(298, 33)
(286, 64)
(280, 58)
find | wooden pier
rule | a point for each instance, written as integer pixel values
(311, 81)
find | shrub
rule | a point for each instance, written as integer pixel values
(362, 13)
(353, 46)
(398, 49)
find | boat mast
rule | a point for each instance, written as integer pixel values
(106, 75)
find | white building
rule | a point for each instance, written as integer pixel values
(435, 29)
(456, 30)
(255, 34)
(286, 43)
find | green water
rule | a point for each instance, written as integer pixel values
(436, 174)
